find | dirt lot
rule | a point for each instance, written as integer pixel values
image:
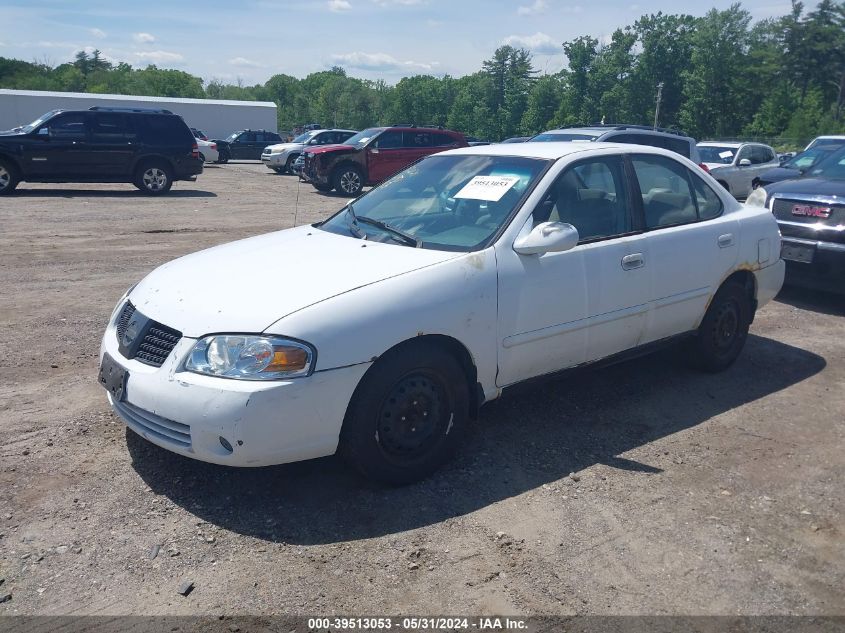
(689, 493)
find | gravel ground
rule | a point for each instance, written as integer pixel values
(643, 488)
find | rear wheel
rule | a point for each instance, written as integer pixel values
(320, 187)
(8, 177)
(154, 178)
(223, 157)
(408, 416)
(724, 329)
(348, 180)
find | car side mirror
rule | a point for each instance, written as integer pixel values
(745, 163)
(547, 237)
(44, 131)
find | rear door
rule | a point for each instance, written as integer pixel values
(113, 143)
(692, 246)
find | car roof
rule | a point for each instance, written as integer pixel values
(554, 149)
(733, 144)
(594, 131)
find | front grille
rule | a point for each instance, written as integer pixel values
(154, 340)
(123, 319)
(164, 430)
(782, 209)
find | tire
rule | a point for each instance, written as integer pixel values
(8, 177)
(154, 178)
(223, 157)
(278, 170)
(408, 415)
(348, 180)
(323, 188)
(202, 157)
(289, 164)
(723, 330)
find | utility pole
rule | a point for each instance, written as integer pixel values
(659, 97)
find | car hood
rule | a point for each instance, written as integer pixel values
(780, 173)
(283, 147)
(809, 186)
(324, 149)
(248, 285)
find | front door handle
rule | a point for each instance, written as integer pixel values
(726, 240)
(633, 261)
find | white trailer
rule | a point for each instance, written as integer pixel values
(216, 118)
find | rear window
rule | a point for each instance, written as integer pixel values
(165, 129)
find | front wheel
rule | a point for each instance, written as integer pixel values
(289, 164)
(348, 180)
(408, 416)
(8, 178)
(723, 330)
(153, 179)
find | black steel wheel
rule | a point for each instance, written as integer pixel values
(723, 330)
(408, 415)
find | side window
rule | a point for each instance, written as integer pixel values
(665, 188)
(677, 145)
(246, 137)
(261, 137)
(416, 140)
(163, 129)
(708, 202)
(441, 140)
(633, 139)
(745, 152)
(761, 155)
(108, 127)
(389, 140)
(271, 137)
(590, 195)
(70, 126)
(342, 136)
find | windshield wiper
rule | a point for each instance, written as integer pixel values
(407, 238)
(353, 223)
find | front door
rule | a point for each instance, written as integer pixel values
(385, 156)
(557, 310)
(62, 150)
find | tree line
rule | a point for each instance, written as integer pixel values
(722, 76)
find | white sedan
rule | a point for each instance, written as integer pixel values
(380, 332)
(208, 151)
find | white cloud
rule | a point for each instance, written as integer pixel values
(159, 57)
(537, 8)
(98, 33)
(404, 3)
(243, 62)
(339, 5)
(575, 8)
(537, 43)
(379, 62)
(144, 38)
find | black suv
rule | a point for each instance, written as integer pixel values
(245, 145)
(149, 148)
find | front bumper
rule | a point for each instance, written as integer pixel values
(274, 160)
(265, 423)
(822, 265)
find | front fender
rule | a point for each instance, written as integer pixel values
(455, 298)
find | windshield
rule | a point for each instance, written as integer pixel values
(26, 129)
(232, 137)
(363, 137)
(831, 166)
(807, 159)
(304, 138)
(444, 202)
(548, 136)
(717, 154)
(828, 144)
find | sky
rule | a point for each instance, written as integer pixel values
(251, 40)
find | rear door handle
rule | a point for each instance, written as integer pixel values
(632, 261)
(726, 240)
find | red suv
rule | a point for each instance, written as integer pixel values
(374, 155)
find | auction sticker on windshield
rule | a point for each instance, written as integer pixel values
(490, 188)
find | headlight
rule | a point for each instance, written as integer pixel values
(757, 198)
(249, 357)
